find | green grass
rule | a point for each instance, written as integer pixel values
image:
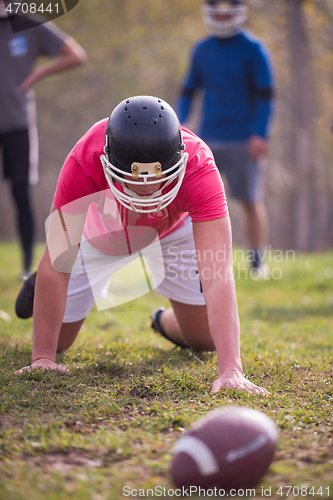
(113, 420)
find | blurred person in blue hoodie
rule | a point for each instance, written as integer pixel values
(233, 71)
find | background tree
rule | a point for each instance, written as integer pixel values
(302, 147)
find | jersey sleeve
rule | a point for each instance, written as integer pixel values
(210, 202)
(202, 193)
(50, 39)
(72, 194)
(82, 177)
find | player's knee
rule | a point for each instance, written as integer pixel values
(68, 334)
(63, 347)
(200, 344)
(65, 343)
(205, 347)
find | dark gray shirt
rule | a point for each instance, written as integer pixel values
(18, 54)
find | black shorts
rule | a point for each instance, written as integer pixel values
(15, 155)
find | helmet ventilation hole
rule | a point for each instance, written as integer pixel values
(144, 108)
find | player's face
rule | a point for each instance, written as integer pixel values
(143, 189)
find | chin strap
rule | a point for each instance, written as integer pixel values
(145, 204)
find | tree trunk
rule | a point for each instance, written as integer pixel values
(303, 113)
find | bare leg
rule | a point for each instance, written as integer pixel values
(68, 334)
(189, 325)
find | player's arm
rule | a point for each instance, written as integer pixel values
(219, 291)
(53, 274)
(71, 54)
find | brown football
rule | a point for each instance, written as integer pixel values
(229, 448)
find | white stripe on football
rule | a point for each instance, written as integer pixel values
(199, 452)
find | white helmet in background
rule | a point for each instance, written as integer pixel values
(224, 18)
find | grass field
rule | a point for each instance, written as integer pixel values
(112, 421)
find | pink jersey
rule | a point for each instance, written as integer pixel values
(109, 226)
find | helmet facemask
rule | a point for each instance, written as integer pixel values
(213, 13)
(141, 176)
(144, 148)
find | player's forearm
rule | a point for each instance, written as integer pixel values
(218, 286)
(49, 307)
(224, 324)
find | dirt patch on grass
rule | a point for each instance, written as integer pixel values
(142, 392)
(6, 421)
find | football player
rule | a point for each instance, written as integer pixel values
(131, 180)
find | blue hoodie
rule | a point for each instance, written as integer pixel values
(236, 77)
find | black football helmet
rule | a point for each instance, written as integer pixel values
(224, 18)
(143, 141)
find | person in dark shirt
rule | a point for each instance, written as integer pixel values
(23, 39)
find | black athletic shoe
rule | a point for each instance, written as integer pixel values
(25, 299)
(155, 324)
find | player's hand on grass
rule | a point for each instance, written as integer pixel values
(237, 381)
(44, 364)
